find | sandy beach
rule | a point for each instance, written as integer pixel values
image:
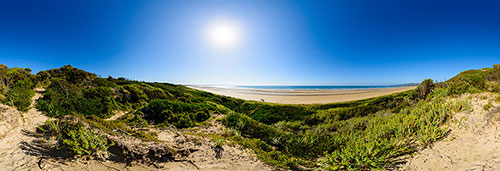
(306, 96)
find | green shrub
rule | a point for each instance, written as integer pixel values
(134, 120)
(183, 120)
(181, 114)
(72, 75)
(75, 138)
(63, 98)
(357, 135)
(471, 81)
(425, 88)
(151, 136)
(388, 136)
(16, 87)
(136, 94)
(20, 95)
(201, 116)
(272, 113)
(80, 141)
(101, 82)
(155, 93)
(50, 127)
(488, 106)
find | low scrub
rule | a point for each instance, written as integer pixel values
(177, 113)
(75, 139)
(20, 95)
(365, 134)
(357, 135)
(16, 87)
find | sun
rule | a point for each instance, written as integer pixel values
(224, 34)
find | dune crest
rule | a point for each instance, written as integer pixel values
(472, 143)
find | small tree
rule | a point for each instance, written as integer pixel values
(425, 88)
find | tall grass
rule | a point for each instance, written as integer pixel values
(388, 135)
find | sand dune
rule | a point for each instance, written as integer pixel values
(20, 150)
(472, 143)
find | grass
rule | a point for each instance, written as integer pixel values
(357, 135)
(119, 127)
(488, 105)
(364, 141)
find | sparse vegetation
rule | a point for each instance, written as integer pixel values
(488, 105)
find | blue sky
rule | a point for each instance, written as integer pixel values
(341, 42)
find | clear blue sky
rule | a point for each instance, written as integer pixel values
(334, 42)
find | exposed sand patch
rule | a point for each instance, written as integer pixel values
(117, 115)
(14, 129)
(303, 96)
(233, 157)
(473, 143)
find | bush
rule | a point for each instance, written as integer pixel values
(20, 95)
(72, 75)
(201, 116)
(134, 120)
(63, 98)
(136, 94)
(50, 127)
(272, 113)
(181, 114)
(80, 141)
(425, 88)
(471, 81)
(16, 87)
(75, 138)
(183, 120)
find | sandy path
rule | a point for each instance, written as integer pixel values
(233, 157)
(117, 115)
(473, 143)
(19, 150)
(14, 129)
(303, 96)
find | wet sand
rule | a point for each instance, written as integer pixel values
(305, 96)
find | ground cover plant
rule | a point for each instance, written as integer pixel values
(75, 138)
(357, 135)
(364, 134)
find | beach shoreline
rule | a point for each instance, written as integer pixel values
(302, 96)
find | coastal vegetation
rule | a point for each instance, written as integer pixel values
(75, 138)
(16, 87)
(356, 135)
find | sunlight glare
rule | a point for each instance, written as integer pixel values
(223, 34)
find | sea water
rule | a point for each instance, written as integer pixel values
(323, 87)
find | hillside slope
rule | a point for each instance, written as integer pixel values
(472, 143)
(23, 148)
(114, 123)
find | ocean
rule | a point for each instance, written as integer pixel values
(277, 87)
